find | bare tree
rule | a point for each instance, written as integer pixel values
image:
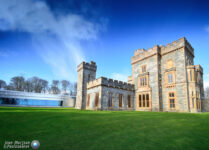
(35, 84)
(28, 86)
(44, 85)
(38, 85)
(18, 83)
(65, 85)
(9, 87)
(74, 89)
(55, 87)
(2, 84)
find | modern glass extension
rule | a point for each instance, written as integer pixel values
(30, 102)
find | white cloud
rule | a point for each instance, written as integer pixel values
(206, 84)
(206, 81)
(120, 77)
(63, 52)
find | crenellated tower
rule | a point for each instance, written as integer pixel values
(86, 73)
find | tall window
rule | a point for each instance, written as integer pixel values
(140, 101)
(170, 78)
(144, 100)
(172, 100)
(129, 101)
(110, 100)
(88, 100)
(120, 99)
(144, 69)
(193, 99)
(143, 81)
(147, 100)
(197, 102)
(96, 99)
(192, 102)
(190, 75)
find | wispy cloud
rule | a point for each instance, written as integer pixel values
(120, 77)
(6, 53)
(56, 38)
(207, 29)
(3, 54)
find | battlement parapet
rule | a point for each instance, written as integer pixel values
(141, 54)
(102, 81)
(199, 68)
(182, 42)
(129, 78)
(86, 65)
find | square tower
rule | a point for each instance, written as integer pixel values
(86, 73)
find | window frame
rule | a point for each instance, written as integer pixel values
(88, 100)
(144, 101)
(173, 98)
(129, 101)
(120, 100)
(110, 97)
(143, 68)
(167, 79)
(96, 100)
(143, 81)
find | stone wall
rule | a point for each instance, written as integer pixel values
(69, 102)
(86, 73)
(182, 54)
(103, 86)
(152, 69)
(110, 83)
(116, 91)
(180, 87)
(156, 59)
(92, 92)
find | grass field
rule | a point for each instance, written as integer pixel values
(69, 129)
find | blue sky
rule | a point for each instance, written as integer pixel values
(49, 38)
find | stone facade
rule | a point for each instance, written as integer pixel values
(104, 87)
(86, 73)
(163, 78)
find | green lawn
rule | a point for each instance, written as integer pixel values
(64, 128)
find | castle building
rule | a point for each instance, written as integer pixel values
(164, 78)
